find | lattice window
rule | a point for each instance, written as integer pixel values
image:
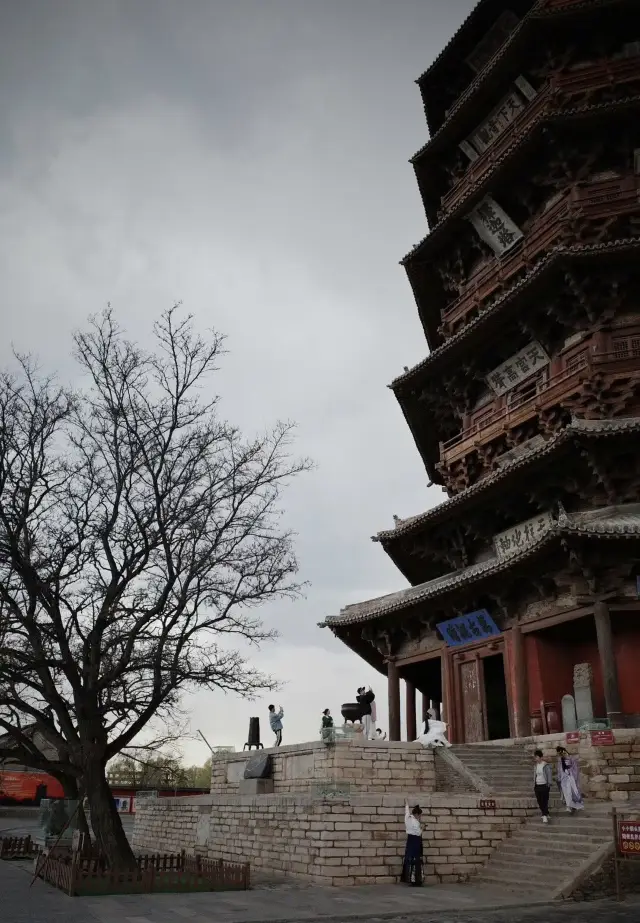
(575, 361)
(623, 347)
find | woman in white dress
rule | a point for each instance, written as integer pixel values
(435, 733)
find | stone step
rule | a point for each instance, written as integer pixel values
(539, 856)
(540, 839)
(522, 887)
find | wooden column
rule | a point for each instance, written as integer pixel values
(448, 711)
(393, 681)
(522, 722)
(608, 662)
(411, 710)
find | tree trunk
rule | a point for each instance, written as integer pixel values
(109, 834)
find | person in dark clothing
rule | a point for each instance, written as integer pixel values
(365, 699)
(412, 865)
(327, 732)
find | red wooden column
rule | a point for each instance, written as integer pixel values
(608, 661)
(393, 680)
(411, 710)
(448, 709)
(522, 723)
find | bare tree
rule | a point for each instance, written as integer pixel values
(138, 532)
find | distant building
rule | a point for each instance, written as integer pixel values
(526, 409)
(22, 784)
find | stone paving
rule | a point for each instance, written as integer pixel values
(277, 901)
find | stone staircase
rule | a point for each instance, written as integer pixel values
(537, 860)
(505, 770)
(548, 859)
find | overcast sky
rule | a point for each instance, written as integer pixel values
(248, 157)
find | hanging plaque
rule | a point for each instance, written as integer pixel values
(519, 537)
(498, 122)
(475, 626)
(518, 367)
(494, 226)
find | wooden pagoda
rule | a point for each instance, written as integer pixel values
(527, 408)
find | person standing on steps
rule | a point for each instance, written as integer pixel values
(275, 720)
(568, 781)
(542, 779)
(412, 865)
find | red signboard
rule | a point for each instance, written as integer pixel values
(487, 805)
(629, 837)
(602, 738)
(28, 786)
(572, 737)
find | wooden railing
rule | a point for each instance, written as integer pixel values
(591, 199)
(548, 393)
(555, 96)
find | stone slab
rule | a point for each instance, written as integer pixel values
(256, 786)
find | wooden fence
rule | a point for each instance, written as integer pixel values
(17, 847)
(85, 875)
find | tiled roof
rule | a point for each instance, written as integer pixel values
(576, 251)
(454, 38)
(614, 521)
(576, 427)
(489, 66)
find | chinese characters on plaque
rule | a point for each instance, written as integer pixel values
(529, 360)
(475, 626)
(494, 226)
(516, 539)
(499, 120)
(629, 836)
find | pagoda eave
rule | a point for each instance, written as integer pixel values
(534, 283)
(481, 18)
(620, 523)
(508, 154)
(578, 437)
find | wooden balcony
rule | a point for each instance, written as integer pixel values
(558, 94)
(554, 391)
(590, 201)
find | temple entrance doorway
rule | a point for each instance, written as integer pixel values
(482, 697)
(495, 690)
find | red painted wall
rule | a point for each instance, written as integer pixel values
(626, 644)
(551, 656)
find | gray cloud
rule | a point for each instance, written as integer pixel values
(249, 158)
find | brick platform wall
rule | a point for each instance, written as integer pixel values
(359, 840)
(172, 824)
(377, 768)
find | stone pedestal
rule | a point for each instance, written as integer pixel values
(582, 686)
(256, 787)
(56, 817)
